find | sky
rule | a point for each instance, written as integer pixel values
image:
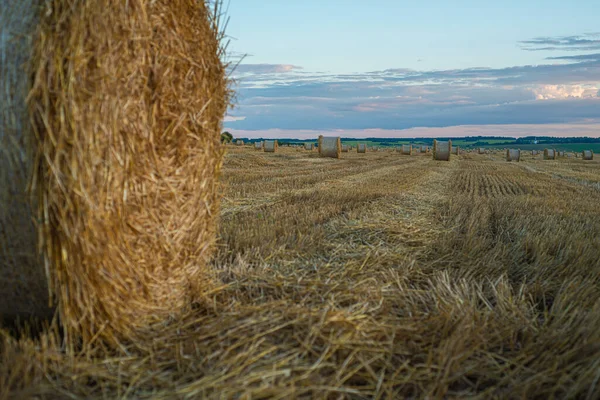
(392, 69)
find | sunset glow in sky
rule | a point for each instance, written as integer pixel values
(432, 68)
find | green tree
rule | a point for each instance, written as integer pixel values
(226, 137)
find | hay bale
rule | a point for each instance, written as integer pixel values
(345, 148)
(361, 148)
(239, 142)
(549, 154)
(23, 283)
(455, 150)
(270, 146)
(481, 150)
(308, 146)
(330, 146)
(126, 160)
(587, 155)
(320, 144)
(406, 149)
(513, 155)
(442, 150)
(258, 145)
(534, 152)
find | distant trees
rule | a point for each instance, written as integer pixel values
(226, 137)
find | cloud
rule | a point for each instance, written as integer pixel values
(288, 97)
(547, 92)
(230, 118)
(265, 68)
(586, 42)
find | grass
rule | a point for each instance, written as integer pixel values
(372, 276)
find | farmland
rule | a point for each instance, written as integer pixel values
(373, 276)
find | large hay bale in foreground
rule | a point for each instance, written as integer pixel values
(587, 155)
(23, 283)
(127, 105)
(330, 146)
(442, 150)
(513, 155)
(361, 148)
(549, 154)
(270, 146)
(406, 149)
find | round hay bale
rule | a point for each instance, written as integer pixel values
(308, 146)
(441, 150)
(423, 149)
(455, 150)
(258, 145)
(407, 149)
(513, 155)
(320, 144)
(345, 148)
(270, 146)
(125, 161)
(587, 155)
(239, 142)
(481, 150)
(331, 147)
(361, 148)
(549, 154)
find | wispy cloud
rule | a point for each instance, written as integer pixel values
(586, 42)
(265, 68)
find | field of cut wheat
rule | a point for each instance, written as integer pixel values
(375, 275)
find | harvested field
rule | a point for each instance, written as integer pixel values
(370, 276)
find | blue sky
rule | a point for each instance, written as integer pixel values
(391, 65)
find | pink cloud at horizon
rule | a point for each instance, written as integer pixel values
(516, 130)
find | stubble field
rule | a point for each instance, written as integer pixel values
(374, 276)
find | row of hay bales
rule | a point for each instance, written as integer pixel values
(98, 218)
(549, 154)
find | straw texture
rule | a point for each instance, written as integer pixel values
(513, 155)
(330, 146)
(127, 103)
(442, 150)
(271, 146)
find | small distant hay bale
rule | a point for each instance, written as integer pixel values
(534, 152)
(549, 154)
(308, 146)
(406, 149)
(513, 155)
(361, 148)
(455, 150)
(423, 149)
(270, 146)
(120, 139)
(258, 145)
(330, 146)
(345, 148)
(481, 150)
(239, 142)
(442, 150)
(587, 155)
(561, 154)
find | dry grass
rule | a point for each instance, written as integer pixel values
(372, 276)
